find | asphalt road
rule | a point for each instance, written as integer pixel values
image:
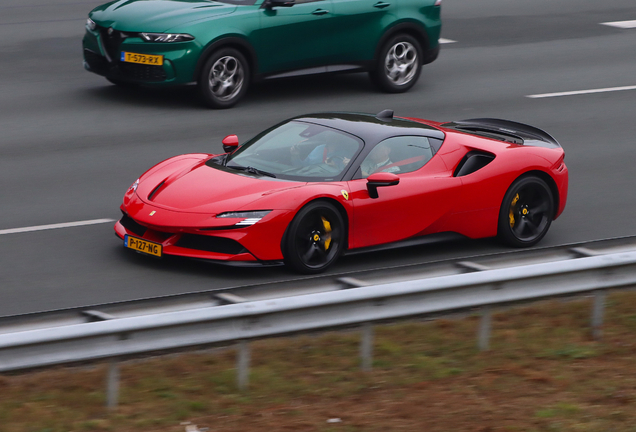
(71, 143)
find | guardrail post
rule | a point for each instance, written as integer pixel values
(597, 314)
(366, 346)
(484, 329)
(243, 364)
(112, 384)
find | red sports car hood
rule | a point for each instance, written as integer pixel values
(194, 187)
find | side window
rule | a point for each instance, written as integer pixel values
(401, 154)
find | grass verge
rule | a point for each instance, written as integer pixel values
(543, 373)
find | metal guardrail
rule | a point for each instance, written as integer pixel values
(295, 285)
(119, 338)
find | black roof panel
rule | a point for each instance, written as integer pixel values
(369, 127)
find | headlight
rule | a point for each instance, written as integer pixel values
(166, 37)
(90, 24)
(249, 217)
(133, 187)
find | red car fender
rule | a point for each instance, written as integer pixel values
(294, 199)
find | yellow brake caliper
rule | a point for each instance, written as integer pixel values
(511, 215)
(327, 225)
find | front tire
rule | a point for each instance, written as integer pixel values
(315, 238)
(398, 65)
(224, 78)
(526, 212)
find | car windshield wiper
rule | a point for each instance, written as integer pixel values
(252, 170)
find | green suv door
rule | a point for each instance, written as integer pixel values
(294, 37)
(359, 24)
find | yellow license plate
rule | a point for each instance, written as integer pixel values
(142, 246)
(147, 59)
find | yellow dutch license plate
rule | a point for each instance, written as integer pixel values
(147, 59)
(142, 246)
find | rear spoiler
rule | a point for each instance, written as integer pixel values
(505, 130)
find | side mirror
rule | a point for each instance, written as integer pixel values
(269, 4)
(381, 179)
(230, 143)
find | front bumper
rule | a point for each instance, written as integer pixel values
(102, 53)
(258, 244)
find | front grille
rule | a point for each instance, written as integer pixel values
(112, 66)
(112, 40)
(139, 72)
(210, 244)
(96, 62)
(131, 225)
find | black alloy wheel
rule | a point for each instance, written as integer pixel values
(398, 65)
(224, 78)
(526, 212)
(315, 238)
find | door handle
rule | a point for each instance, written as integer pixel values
(320, 12)
(381, 5)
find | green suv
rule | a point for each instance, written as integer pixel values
(224, 45)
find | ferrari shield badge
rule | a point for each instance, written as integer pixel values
(345, 194)
(152, 213)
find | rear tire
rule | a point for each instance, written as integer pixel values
(398, 65)
(526, 212)
(224, 78)
(315, 238)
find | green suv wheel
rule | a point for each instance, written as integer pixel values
(224, 78)
(398, 65)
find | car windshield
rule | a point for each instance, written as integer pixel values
(299, 151)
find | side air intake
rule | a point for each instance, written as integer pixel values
(473, 161)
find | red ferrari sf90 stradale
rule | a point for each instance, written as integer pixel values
(316, 186)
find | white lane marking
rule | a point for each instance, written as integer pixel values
(621, 24)
(445, 41)
(579, 92)
(55, 226)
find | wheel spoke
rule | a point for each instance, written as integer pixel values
(309, 254)
(400, 63)
(226, 78)
(335, 232)
(520, 226)
(534, 228)
(543, 207)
